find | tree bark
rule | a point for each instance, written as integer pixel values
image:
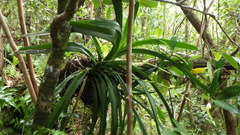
(60, 32)
(20, 59)
(129, 68)
(26, 43)
(230, 118)
(1, 54)
(231, 123)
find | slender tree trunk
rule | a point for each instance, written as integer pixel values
(20, 59)
(1, 53)
(26, 43)
(129, 68)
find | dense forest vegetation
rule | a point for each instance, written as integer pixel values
(119, 67)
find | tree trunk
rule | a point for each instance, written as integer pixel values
(231, 123)
(230, 118)
(60, 32)
(195, 21)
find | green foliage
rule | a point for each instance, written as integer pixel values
(47, 131)
(106, 73)
(225, 105)
(229, 92)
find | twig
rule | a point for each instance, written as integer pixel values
(20, 59)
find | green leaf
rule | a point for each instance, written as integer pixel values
(65, 99)
(176, 71)
(41, 48)
(117, 4)
(210, 72)
(152, 103)
(168, 132)
(173, 63)
(45, 48)
(106, 29)
(107, 2)
(229, 92)
(230, 60)
(217, 55)
(194, 57)
(122, 44)
(98, 49)
(173, 42)
(113, 101)
(140, 123)
(148, 3)
(41, 33)
(96, 3)
(158, 42)
(179, 128)
(95, 110)
(226, 106)
(161, 115)
(76, 47)
(215, 85)
(63, 84)
(102, 90)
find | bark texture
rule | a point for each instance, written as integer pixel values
(60, 32)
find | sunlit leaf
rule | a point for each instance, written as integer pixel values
(231, 60)
(148, 3)
(173, 42)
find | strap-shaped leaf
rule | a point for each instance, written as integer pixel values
(45, 48)
(117, 4)
(225, 105)
(95, 109)
(173, 63)
(140, 123)
(98, 49)
(40, 33)
(148, 3)
(102, 90)
(67, 96)
(36, 49)
(76, 47)
(63, 84)
(229, 92)
(106, 29)
(215, 85)
(113, 100)
(231, 60)
(135, 44)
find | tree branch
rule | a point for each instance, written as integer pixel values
(180, 4)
